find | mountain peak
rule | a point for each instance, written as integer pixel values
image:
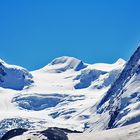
(64, 59)
(64, 63)
(120, 61)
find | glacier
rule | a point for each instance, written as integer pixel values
(57, 95)
(84, 101)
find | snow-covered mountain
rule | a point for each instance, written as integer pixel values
(14, 77)
(65, 63)
(120, 106)
(58, 95)
(74, 96)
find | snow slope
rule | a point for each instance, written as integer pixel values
(70, 94)
(65, 63)
(121, 105)
(54, 99)
(131, 132)
(14, 77)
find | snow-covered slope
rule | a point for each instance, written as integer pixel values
(88, 76)
(121, 105)
(14, 77)
(98, 76)
(57, 97)
(70, 94)
(65, 63)
(131, 132)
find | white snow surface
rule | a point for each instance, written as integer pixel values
(120, 106)
(130, 132)
(14, 77)
(60, 95)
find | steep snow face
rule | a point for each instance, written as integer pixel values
(120, 106)
(14, 77)
(98, 76)
(86, 77)
(64, 63)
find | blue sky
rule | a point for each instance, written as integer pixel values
(33, 32)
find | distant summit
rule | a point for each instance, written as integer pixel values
(120, 61)
(64, 63)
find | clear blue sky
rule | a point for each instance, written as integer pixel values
(33, 32)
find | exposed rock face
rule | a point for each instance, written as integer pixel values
(49, 134)
(13, 133)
